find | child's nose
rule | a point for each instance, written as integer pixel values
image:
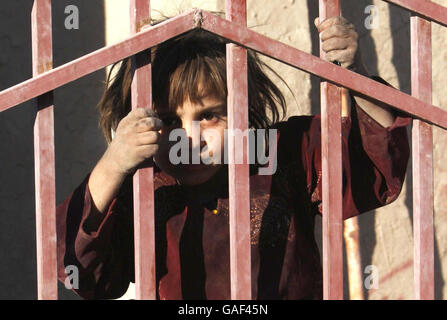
(192, 129)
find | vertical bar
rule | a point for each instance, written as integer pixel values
(353, 258)
(421, 83)
(331, 153)
(351, 233)
(42, 54)
(238, 173)
(144, 226)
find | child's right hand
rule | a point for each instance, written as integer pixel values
(136, 140)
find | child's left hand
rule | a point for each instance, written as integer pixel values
(339, 41)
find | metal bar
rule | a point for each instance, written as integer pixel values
(143, 180)
(323, 69)
(421, 83)
(351, 234)
(426, 8)
(332, 197)
(236, 11)
(238, 173)
(237, 34)
(42, 54)
(353, 258)
(96, 60)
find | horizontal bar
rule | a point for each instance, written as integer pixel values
(323, 69)
(331, 158)
(238, 174)
(96, 60)
(421, 84)
(143, 179)
(426, 8)
(44, 159)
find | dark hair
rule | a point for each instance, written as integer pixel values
(192, 66)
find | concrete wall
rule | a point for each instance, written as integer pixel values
(78, 141)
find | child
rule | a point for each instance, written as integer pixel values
(95, 223)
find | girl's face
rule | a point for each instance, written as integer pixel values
(210, 117)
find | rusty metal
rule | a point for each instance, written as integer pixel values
(426, 8)
(331, 157)
(353, 258)
(237, 34)
(324, 69)
(45, 79)
(238, 173)
(96, 60)
(351, 233)
(144, 225)
(44, 160)
(421, 84)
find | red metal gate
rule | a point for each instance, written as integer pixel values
(233, 28)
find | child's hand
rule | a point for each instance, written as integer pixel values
(340, 43)
(136, 139)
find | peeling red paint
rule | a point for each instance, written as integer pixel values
(44, 159)
(143, 180)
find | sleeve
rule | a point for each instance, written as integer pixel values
(103, 257)
(374, 161)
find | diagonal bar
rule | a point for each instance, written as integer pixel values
(238, 173)
(425, 8)
(331, 154)
(144, 225)
(323, 69)
(235, 33)
(96, 60)
(42, 84)
(421, 83)
(44, 161)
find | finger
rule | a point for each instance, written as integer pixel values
(337, 31)
(335, 55)
(332, 21)
(139, 113)
(317, 22)
(335, 44)
(148, 124)
(345, 57)
(147, 138)
(147, 151)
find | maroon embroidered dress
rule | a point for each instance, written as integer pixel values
(192, 230)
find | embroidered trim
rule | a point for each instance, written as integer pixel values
(316, 194)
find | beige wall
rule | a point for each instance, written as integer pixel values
(386, 234)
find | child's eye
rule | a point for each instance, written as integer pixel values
(171, 121)
(209, 116)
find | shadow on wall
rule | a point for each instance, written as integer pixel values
(353, 11)
(400, 22)
(78, 141)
